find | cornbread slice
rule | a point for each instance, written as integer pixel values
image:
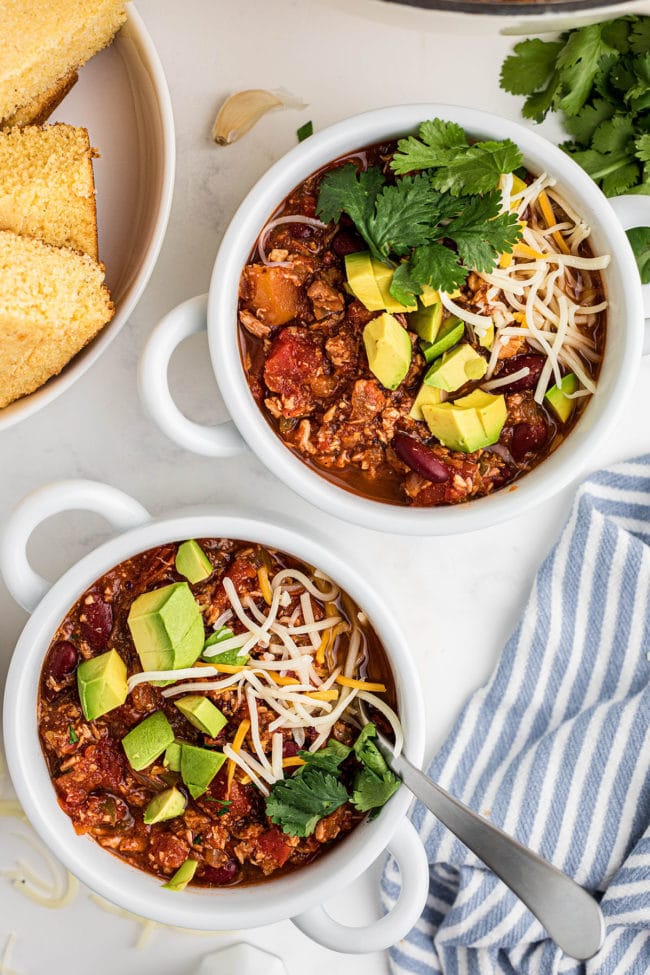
(39, 109)
(47, 188)
(52, 302)
(43, 40)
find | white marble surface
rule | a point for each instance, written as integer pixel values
(457, 598)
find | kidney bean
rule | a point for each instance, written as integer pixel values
(527, 437)
(534, 364)
(61, 661)
(221, 876)
(301, 231)
(420, 458)
(98, 623)
(289, 749)
(346, 243)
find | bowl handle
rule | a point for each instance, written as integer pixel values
(119, 509)
(634, 211)
(186, 319)
(406, 846)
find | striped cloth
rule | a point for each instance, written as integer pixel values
(556, 748)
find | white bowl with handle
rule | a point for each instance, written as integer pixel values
(297, 895)
(218, 314)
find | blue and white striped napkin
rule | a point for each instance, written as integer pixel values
(556, 750)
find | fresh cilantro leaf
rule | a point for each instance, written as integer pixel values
(639, 238)
(224, 803)
(403, 286)
(328, 758)
(620, 76)
(621, 179)
(610, 73)
(642, 146)
(73, 737)
(477, 170)
(367, 752)
(437, 265)
(437, 139)
(297, 804)
(405, 216)
(370, 791)
(530, 67)
(537, 106)
(638, 96)
(481, 234)
(346, 190)
(616, 33)
(614, 135)
(305, 131)
(583, 126)
(640, 35)
(579, 62)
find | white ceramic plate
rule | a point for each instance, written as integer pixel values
(121, 97)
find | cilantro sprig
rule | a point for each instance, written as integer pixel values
(315, 790)
(439, 218)
(598, 78)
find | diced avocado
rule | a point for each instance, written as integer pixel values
(427, 321)
(101, 682)
(183, 875)
(192, 562)
(166, 805)
(202, 713)
(427, 396)
(198, 767)
(451, 332)
(455, 368)
(488, 338)
(233, 658)
(167, 627)
(172, 757)
(383, 277)
(491, 410)
(469, 423)
(557, 399)
(149, 739)
(361, 278)
(429, 296)
(388, 348)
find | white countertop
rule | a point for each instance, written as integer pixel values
(457, 598)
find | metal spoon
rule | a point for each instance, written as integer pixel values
(570, 915)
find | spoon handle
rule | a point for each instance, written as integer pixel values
(570, 915)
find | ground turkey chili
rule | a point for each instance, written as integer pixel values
(261, 689)
(538, 315)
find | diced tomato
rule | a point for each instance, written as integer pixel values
(294, 360)
(273, 845)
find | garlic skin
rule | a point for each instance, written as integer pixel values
(243, 109)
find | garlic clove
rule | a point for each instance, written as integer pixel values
(242, 110)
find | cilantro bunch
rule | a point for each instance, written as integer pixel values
(598, 78)
(315, 789)
(439, 217)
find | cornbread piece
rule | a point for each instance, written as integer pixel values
(46, 185)
(52, 302)
(39, 109)
(43, 40)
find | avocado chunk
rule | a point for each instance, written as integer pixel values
(198, 767)
(101, 682)
(450, 333)
(427, 321)
(469, 423)
(429, 296)
(455, 368)
(202, 713)
(383, 277)
(234, 657)
(427, 396)
(149, 739)
(166, 805)
(192, 562)
(488, 338)
(388, 348)
(183, 875)
(167, 628)
(362, 281)
(172, 757)
(557, 399)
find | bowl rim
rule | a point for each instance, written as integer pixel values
(117, 881)
(557, 470)
(30, 404)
